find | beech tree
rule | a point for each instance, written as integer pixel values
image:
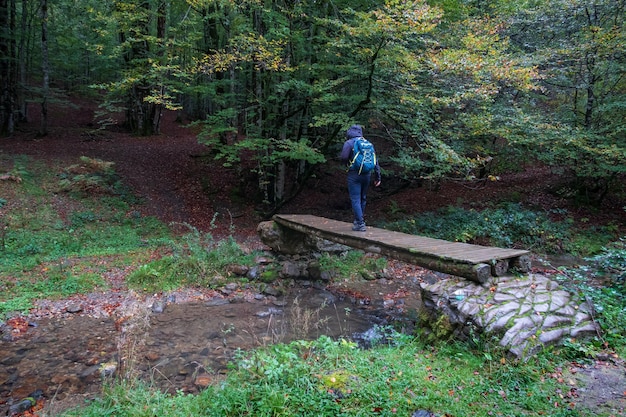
(8, 81)
(142, 88)
(309, 77)
(456, 87)
(45, 69)
(579, 46)
(388, 68)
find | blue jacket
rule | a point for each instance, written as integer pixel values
(355, 131)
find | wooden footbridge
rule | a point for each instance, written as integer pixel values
(474, 262)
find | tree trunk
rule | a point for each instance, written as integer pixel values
(142, 116)
(21, 57)
(7, 84)
(45, 67)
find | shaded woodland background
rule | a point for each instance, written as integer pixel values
(453, 92)
(178, 182)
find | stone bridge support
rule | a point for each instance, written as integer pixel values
(527, 312)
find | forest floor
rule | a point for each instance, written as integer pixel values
(181, 184)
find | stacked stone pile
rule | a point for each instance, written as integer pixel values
(526, 312)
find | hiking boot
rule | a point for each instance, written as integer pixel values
(359, 227)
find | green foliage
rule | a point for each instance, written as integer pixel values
(91, 176)
(603, 282)
(326, 377)
(352, 265)
(53, 283)
(448, 84)
(611, 263)
(196, 260)
(19, 304)
(504, 226)
(584, 85)
(509, 225)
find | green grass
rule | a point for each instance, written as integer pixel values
(54, 230)
(335, 378)
(352, 265)
(196, 260)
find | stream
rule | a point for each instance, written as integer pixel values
(188, 345)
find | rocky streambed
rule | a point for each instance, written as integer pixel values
(180, 341)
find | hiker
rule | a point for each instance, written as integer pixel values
(359, 156)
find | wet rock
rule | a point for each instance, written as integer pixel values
(294, 270)
(274, 292)
(240, 270)
(315, 270)
(217, 302)
(203, 380)
(254, 273)
(108, 369)
(422, 413)
(326, 276)
(263, 260)
(74, 308)
(237, 298)
(269, 312)
(316, 273)
(158, 306)
(22, 406)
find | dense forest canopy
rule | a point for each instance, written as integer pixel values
(456, 88)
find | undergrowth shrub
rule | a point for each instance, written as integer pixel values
(196, 259)
(353, 264)
(90, 176)
(509, 225)
(603, 283)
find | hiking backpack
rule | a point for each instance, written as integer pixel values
(364, 159)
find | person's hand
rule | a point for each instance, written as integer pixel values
(377, 183)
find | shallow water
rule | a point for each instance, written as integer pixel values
(183, 348)
(194, 341)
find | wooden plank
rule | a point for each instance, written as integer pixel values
(436, 254)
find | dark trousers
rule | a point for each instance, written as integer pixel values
(357, 189)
